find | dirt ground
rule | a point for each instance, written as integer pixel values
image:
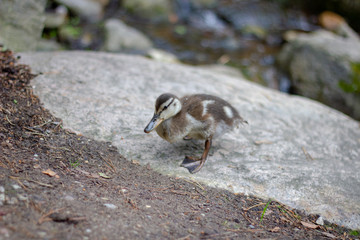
(55, 184)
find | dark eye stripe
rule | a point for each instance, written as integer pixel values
(165, 107)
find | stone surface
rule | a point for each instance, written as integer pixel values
(21, 23)
(161, 55)
(57, 18)
(204, 3)
(223, 69)
(120, 37)
(317, 62)
(92, 10)
(152, 9)
(265, 15)
(294, 150)
(48, 45)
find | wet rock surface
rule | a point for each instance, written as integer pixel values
(92, 10)
(21, 23)
(323, 66)
(294, 150)
(120, 37)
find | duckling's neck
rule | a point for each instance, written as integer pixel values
(164, 130)
(171, 130)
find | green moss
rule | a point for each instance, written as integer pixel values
(354, 85)
(354, 233)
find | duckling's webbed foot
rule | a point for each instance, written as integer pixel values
(187, 138)
(191, 164)
(194, 165)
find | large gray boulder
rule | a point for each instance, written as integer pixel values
(152, 9)
(92, 10)
(294, 150)
(320, 64)
(21, 23)
(121, 37)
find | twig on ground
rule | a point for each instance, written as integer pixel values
(62, 148)
(40, 183)
(7, 119)
(45, 217)
(40, 125)
(307, 155)
(195, 183)
(18, 181)
(254, 206)
(109, 163)
(259, 142)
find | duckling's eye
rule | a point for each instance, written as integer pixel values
(165, 107)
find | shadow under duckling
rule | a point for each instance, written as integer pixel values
(198, 116)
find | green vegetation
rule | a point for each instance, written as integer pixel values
(354, 85)
(72, 28)
(265, 208)
(74, 164)
(354, 233)
(180, 29)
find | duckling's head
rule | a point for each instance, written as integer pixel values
(167, 105)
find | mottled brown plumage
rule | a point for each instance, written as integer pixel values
(198, 116)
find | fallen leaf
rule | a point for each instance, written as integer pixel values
(136, 162)
(309, 225)
(49, 172)
(103, 175)
(259, 142)
(94, 175)
(36, 166)
(83, 172)
(328, 235)
(275, 229)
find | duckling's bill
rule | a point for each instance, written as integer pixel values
(154, 122)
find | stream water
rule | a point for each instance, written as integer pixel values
(243, 34)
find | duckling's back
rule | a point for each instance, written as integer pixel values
(216, 114)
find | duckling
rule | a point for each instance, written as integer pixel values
(198, 116)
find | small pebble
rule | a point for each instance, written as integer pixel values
(110, 205)
(16, 187)
(148, 206)
(251, 226)
(88, 230)
(22, 197)
(4, 232)
(42, 234)
(12, 201)
(123, 190)
(36, 166)
(2, 199)
(69, 198)
(320, 221)
(2, 189)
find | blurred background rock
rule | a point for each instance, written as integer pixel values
(310, 48)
